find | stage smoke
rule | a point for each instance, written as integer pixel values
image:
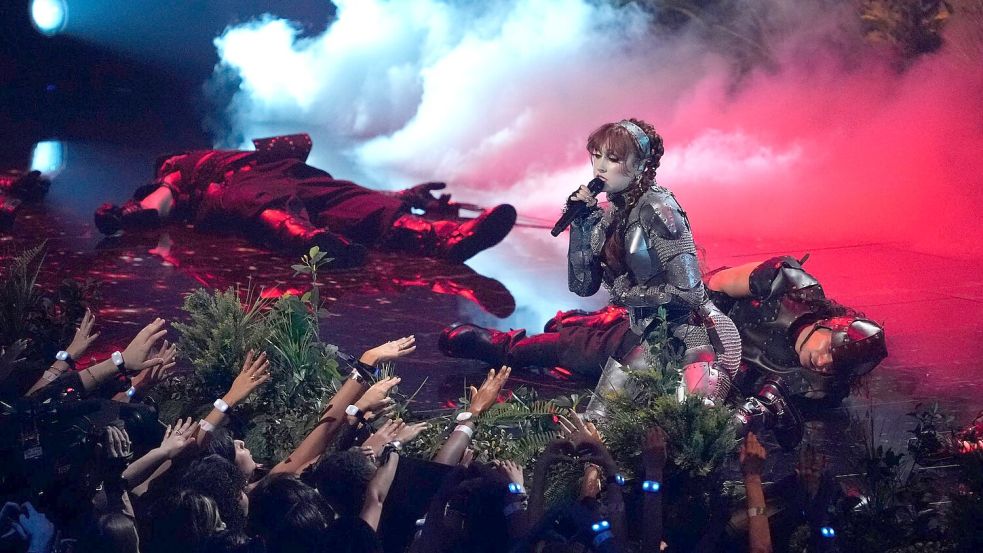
(826, 141)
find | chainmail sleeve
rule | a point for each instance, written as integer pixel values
(583, 261)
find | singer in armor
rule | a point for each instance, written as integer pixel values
(641, 249)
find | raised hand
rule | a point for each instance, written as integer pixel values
(590, 485)
(409, 432)
(510, 470)
(255, 371)
(116, 443)
(752, 456)
(389, 351)
(136, 353)
(83, 336)
(146, 380)
(179, 437)
(586, 441)
(376, 398)
(40, 531)
(385, 434)
(484, 397)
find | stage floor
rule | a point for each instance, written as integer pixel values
(930, 304)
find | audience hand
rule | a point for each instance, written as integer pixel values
(390, 351)
(83, 336)
(385, 434)
(148, 379)
(136, 353)
(511, 471)
(376, 397)
(255, 371)
(409, 432)
(466, 458)
(586, 441)
(179, 437)
(116, 443)
(752, 456)
(590, 485)
(484, 397)
(37, 529)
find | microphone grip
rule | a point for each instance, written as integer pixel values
(575, 208)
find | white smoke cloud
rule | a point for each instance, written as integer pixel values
(497, 98)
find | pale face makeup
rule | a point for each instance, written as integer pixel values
(616, 172)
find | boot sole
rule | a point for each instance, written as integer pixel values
(496, 226)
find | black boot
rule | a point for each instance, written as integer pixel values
(468, 341)
(297, 235)
(771, 409)
(111, 218)
(451, 240)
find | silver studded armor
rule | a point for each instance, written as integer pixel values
(662, 272)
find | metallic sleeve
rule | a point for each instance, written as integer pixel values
(583, 265)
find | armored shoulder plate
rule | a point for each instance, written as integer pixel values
(779, 275)
(660, 212)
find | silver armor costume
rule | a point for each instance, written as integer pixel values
(662, 272)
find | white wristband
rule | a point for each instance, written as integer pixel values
(131, 392)
(221, 405)
(205, 425)
(464, 428)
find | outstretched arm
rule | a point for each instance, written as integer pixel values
(481, 399)
(352, 392)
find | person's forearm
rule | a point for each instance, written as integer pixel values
(759, 534)
(318, 440)
(450, 453)
(652, 512)
(141, 469)
(141, 488)
(615, 502)
(372, 512)
(97, 375)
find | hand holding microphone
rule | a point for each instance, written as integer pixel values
(577, 204)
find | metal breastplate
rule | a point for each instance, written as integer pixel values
(659, 249)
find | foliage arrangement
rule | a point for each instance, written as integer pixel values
(48, 318)
(223, 326)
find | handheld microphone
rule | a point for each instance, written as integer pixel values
(575, 208)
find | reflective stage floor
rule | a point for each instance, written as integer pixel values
(930, 304)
